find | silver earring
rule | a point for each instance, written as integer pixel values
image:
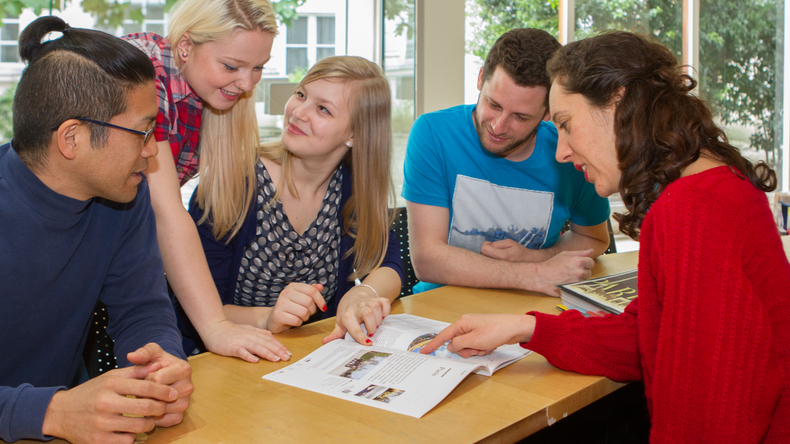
(348, 144)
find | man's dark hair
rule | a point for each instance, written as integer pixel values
(83, 73)
(523, 54)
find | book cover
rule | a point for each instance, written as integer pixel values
(610, 293)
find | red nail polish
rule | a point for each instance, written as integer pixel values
(324, 309)
(368, 341)
(370, 335)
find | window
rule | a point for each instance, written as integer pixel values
(659, 18)
(9, 36)
(309, 39)
(325, 39)
(296, 50)
(155, 20)
(740, 64)
(399, 67)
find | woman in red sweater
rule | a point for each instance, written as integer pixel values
(710, 332)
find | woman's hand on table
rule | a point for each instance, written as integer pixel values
(227, 338)
(360, 305)
(481, 334)
(296, 303)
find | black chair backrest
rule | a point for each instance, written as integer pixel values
(402, 232)
(98, 353)
(612, 247)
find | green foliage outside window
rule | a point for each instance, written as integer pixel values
(499, 16)
(12, 8)
(6, 112)
(738, 67)
(401, 12)
(298, 74)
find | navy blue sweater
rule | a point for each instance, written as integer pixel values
(58, 256)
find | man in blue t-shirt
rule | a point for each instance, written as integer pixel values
(487, 199)
(76, 226)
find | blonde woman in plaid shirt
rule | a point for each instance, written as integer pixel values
(207, 68)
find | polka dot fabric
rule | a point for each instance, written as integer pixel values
(278, 255)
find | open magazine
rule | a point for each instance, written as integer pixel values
(392, 374)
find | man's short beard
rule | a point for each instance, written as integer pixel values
(504, 152)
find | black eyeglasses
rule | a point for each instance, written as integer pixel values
(146, 134)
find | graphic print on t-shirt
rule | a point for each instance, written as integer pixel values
(483, 211)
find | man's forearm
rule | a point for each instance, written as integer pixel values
(188, 273)
(569, 241)
(446, 264)
(255, 316)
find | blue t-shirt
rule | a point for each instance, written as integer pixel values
(491, 198)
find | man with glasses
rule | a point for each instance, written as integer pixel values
(486, 199)
(76, 226)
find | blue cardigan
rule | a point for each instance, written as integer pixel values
(224, 260)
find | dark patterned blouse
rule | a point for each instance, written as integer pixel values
(278, 255)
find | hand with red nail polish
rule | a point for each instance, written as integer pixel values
(360, 305)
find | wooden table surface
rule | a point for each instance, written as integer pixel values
(233, 404)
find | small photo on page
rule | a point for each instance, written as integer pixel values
(360, 364)
(379, 393)
(420, 341)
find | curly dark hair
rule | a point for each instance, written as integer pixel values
(659, 125)
(523, 54)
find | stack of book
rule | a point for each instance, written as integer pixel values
(600, 296)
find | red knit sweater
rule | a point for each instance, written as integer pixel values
(710, 331)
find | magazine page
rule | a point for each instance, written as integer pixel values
(401, 382)
(410, 333)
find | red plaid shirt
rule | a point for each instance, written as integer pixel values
(178, 121)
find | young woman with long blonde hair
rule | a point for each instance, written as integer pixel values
(207, 69)
(320, 219)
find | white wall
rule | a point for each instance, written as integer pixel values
(440, 54)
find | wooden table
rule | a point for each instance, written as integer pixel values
(233, 404)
